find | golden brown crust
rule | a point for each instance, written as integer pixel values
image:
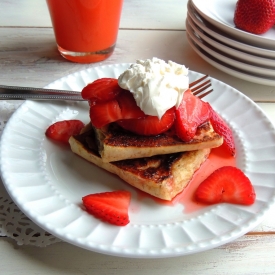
(115, 143)
(163, 176)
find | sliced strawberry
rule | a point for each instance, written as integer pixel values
(111, 207)
(128, 106)
(191, 113)
(102, 89)
(226, 184)
(62, 130)
(220, 127)
(104, 113)
(149, 125)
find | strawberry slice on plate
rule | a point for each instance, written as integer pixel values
(226, 184)
(123, 107)
(104, 113)
(102, 89)
(111, 207)
(128, 105)
(61, 131)
(191, 113)
(149, 125)
(220, 127)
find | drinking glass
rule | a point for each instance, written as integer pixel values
(85, 30)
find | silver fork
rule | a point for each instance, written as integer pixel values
(21, 93)
(199, 86)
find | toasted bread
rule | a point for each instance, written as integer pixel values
(115, 144)
(162, 176)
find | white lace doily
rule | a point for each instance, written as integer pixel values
(13, 223)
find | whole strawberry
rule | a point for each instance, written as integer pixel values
(255, 16)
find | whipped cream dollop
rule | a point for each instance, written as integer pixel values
(156, 85)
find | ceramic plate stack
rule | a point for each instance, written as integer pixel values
(211, 32)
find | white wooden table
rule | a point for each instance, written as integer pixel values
(28, 57)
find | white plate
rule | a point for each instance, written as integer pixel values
(245, 67)
(231, 52)
(47, 180)
(228, 69)
(216, 33)
(222, 37)
(220, 13)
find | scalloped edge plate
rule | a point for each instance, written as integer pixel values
(231, 70)
(221, 13)
(47, 181)
(239, 65)
(231, 52)
(222, 37)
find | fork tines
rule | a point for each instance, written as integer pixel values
(198, 86)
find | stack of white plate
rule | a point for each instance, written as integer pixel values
(211, 32)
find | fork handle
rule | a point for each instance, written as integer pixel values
(19, 93)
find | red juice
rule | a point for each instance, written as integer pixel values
(218, 157)
(85, 30)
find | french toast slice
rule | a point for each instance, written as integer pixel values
(162, 176)
(115, 144)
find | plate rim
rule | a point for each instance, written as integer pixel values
(228, 41)
(234, 53)
(232, 72)
(243, 36)
(247, 68)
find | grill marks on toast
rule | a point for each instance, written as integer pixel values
(156, 168)
(115, 144)
(116, 136)
(162, 176)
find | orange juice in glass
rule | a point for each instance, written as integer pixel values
(85, 30)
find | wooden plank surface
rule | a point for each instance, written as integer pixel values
(28, 57)
(161, 14)
(248, 255)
